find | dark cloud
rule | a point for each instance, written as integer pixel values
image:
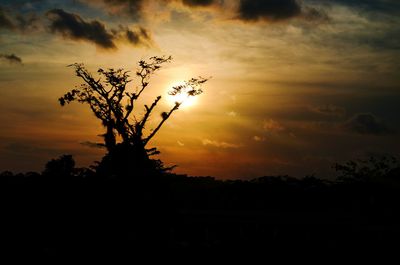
(366, 123)
(329, 110)
(198, 2)
(381, 40)
(314, 14)
(138, 36)
(74, 27)
(5, 21)
(270, 10)
(11, 58)
(92, 144)
(132, 37)
(279, 10)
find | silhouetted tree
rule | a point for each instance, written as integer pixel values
(61, 167)
(373, 168)
(111, 101)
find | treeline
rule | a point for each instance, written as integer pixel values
(67, 211)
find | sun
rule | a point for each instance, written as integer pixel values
(183, 97)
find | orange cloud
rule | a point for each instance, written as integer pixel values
(273, 126)
(219, 144)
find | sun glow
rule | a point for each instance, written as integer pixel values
(183, 98)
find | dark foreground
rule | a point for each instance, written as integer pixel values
(70, 217)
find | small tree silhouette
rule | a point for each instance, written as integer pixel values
(110, 100)
(62, 167)
(364, 170)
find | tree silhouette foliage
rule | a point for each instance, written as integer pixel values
(112, 102)
(62, 167)
(366, 170)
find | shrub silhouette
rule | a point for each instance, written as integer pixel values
(364, 170)
(114, 105)
(62, 167)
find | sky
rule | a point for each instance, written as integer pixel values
(295, 86)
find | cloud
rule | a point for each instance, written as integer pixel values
(11, 58)
(27, 22)
(258, 138)
(74, 27)
(314, 14)
(131, 5)
(273, 126)
(133, 8)
(329, 110)
(271, 10)
(151, 10)
(277, 10)
(246, 10)
(219, 144)
(22, 22)
(232, 113)
(195, 3)
(136, 37)
(92, 144)
(383, 6)
(366, 123)
(5, 21)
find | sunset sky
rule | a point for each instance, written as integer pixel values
(296, 85)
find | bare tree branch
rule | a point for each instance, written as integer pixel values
(165, 116)
(140, 125)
